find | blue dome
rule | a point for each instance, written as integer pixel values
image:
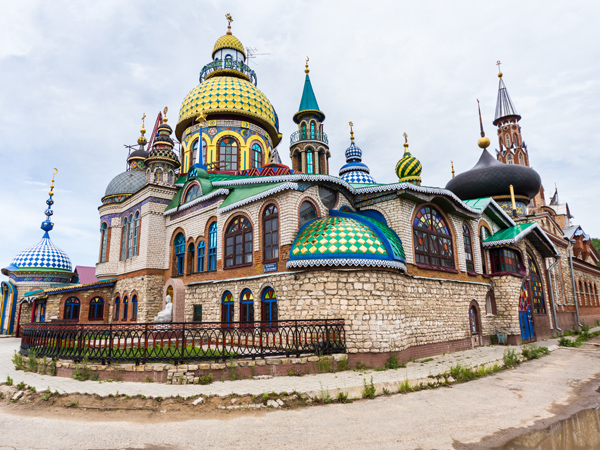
(358, 177)
(43, 255)
(353, 152)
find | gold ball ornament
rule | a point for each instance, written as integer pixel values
(483, 142)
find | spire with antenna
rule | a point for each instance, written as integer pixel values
(47, 225)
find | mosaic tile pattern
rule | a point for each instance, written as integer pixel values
(229, 41)
(357, 177)
(43, 255)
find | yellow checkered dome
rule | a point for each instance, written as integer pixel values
(228, 41)
(228, 95)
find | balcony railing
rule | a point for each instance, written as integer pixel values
(179, 342)
(227, 64)
(308, 135)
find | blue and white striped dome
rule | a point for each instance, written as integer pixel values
(353, 152)
(43, 255)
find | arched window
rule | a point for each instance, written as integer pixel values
(521, 159)
(468, 248)
(194, 151)
(124, 239)
(247, 307)
(510, 159)
(200, 263)
(596, 293)
(228, 61)
(96, 311)
(130, 227)
(507, 138)
(103, 241)
(227, 308)
(474, 320)
(490, 303)
(72, 306)
(134, 307)
(535, 284)
(191, 259)
(432, 239)
(158, 175)
(125, 307)
(307, 212)
(204, 151)
(269, 306)
(303, 130)
(313, 131)
(212, 247)
(117, 310)
(271, 233)
(317, 161)
(238, 242)
(257, 156)
(587, 293)
(179, 253)
(310, 167)
(515, 139)
(484, 233)
(228, 154)
(136, 233)
(192, 193)
(580, 297)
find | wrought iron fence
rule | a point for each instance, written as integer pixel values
(308, 135)
(180, 342)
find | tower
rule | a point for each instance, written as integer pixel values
(309, 147)
(162, 160)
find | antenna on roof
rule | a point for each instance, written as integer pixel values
(252, 53)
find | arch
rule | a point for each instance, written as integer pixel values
(227, 313)
(130, 227)
(191, 251)
(468, 247)
(179, 247)
(307, 211)
(515, 139)
(96, 308)
(521, 159)
(134, 307)
(270, 219)
(475, 321)
(484, 233)
(507, 140)
(313, 129)
(256, 160)
(247, 307)
(117, 309)
(158, 175)
(212, 247)
(192, 192)
(535, 285)
(136, 234)
(303, 129)
(509, 159)
(228, 148)
(72, 308)
(125, 307)
(103, 241)
(201, 257)
(268, 310)
(124, 234)
(310, 166)
(490, 303)
(432, 237)
(194, 152)
(239, 242)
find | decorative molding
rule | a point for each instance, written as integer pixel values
(381, 263)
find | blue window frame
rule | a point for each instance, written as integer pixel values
(201, 250)
(117, 309)
(227, 308)
(72, 305)
(212, 246)
(96, 311)
(310, 167)
(257, 156)
(193, 193)
(191, 251)
(313, 132)
(125, 307)
(247, 307)
(179, 253)
(39, 315)
(136, 233)
(134, 307)
(103, 241)
(269, 306)
(124, 239)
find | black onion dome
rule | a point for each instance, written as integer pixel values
(139, 153)
(165, 126)
(491, 178)
(163, 138)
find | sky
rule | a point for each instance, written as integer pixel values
(76, 77)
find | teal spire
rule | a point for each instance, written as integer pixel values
(308, 103)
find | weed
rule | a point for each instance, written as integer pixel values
(252, 371)
(386, 392)
(32, 389)
(18, 361)
(325, 397)
(379, 369)
(117, 373)
(564, 342)
(158, 399)
(361, 366)
(180, 379)
(32, 363)
(342, 363)
(9, 381)
(510, 358)
(368, 389)
(72, 404)
(534, 352)
(46, 397)
(148, 380)
(82, 371)
(292, 372)
(265, 397)
(95, 377)
(405, 387)
(392, 362)
(325, 365)
(425, 360)
(52, 368)
(21, 386)
(205, 379)
(342, 397)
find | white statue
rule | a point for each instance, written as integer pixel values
(166, 315)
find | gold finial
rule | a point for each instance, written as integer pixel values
(499, 71)
(405, 142)
(51, 193)
(483, 142)
(201, 118)
(143, 129)
(452, 163)
(351, 131)
(306, 67)
(229, 20)
(165, 120)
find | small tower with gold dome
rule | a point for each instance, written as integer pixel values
(162, 161)
(309, 147)
(409, 168)
(138, 157)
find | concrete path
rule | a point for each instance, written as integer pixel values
(350, 382)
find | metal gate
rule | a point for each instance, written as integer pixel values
(526, 314)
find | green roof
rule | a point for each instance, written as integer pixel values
(309, 101)
(391, 236)
(510, 235)
(478, 203)
(241, 193)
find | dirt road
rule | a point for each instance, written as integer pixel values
(478, 414)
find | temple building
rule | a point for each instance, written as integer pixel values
(209, 214)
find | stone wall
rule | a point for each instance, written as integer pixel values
(149, 290)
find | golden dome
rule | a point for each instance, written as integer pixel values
(228, 41)
(232, 95)
(483, 142)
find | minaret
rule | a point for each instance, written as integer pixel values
(309, 147)
(512, 148)
(162, 161)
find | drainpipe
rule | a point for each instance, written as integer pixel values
(557, 257)
(572, 241)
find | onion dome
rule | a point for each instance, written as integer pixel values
(409, 168)
(44, 255)
(347, 239)
(308, 102)
(162, 149)
(354, 171)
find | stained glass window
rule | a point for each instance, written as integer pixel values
(227, 308)
(505, 260)
(432, 239)
(238, 242)
(257, 156)
(269, 306)
(468, 248)
(192, 193)
(524, 300)
(228, 154)
(96, 311)
(247, 307)
(72, 305)
(473, 320)
(535, 284)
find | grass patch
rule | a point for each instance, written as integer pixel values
(82, 371)
(368, 389)
(534, 352)
(510, 358)
(405, 387)
(326, 365)
(206, 379)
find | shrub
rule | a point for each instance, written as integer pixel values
(18, 361)
(392, 362)
(564, 342)
(368, 389)
(534, 352)
(9, 381)
(205, 379)
(342, 364)
(342, 397)
(510, 358)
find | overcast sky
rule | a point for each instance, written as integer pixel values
(76, 77)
